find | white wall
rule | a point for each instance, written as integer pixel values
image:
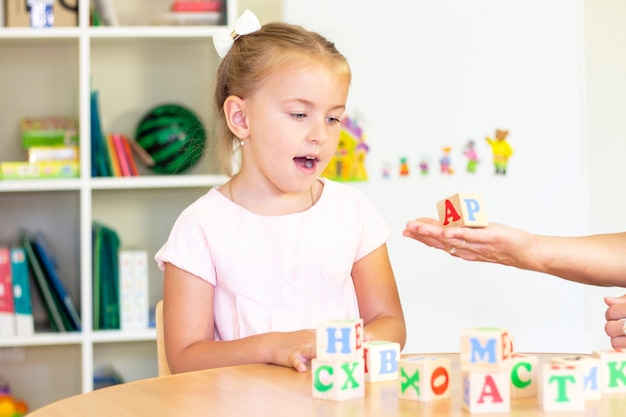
(432, 73)
(605, 45)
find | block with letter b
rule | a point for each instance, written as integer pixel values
(486, 349)
(424, 378)
(462, 209)
(381, 360)
(340, 339)
(562, 388)
(338, 379)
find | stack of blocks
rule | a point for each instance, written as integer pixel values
(344, 362)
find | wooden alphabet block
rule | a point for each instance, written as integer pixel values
(424, 378)
(612, 370)
(590, 368)
(462, 210)
(338, 379)
(337, 339)
(486, 349)
(381, 360)
(524, 375)
(486, 392)
(562, 388)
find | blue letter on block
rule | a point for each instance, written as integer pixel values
(388, 361)
(489, 349)
(345, 339)
(472, 207)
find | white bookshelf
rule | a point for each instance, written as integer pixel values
(134, 67)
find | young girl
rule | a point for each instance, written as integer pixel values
(253, 266)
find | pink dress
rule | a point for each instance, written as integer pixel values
(276, 273)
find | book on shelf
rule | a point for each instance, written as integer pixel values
(106, 13)
(58, 304)
(99, 153)
(24, 323)
(121, 155)
(114, 162)
(106, 300)
(7, 308)
(134, 307)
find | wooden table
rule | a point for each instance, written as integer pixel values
(270, 391)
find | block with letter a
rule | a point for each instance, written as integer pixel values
(487, 392)
(463, 210)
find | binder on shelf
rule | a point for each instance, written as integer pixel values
(99, 152)
(106, 302)
(24, 323)
(7, 309)
(58, 305)
(134, 308)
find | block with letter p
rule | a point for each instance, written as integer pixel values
(424, 378)
(486, 349)
(381, 360)
(340, 339)
(462, 209)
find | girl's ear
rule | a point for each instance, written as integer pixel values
(234, 110)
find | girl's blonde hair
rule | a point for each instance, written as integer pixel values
(253, 57)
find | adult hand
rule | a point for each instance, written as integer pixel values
(615, 326)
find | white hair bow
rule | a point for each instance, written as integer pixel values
(246, 24)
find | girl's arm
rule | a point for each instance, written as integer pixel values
(189, 332)
(378, 298)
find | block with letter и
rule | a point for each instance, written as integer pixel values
(338, 371)
(424, 378)
(462, 210)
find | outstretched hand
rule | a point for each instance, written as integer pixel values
(495, 243)
(615, 326)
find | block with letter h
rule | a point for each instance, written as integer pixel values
(424, 378)
(612, 370)
(486, 361)
(590, 368)
(338, 370)
(562, 388)
(462, 209)
(381, 360)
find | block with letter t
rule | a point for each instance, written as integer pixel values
(562, 388)
(486, 349)
(381, 360)
(590, 368)
(337, 339)
(424, 378)
(462, 209)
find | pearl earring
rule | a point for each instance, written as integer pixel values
(242, 143)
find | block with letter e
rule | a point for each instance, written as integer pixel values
(337, 339)
(612, 370)
(462, 209)
(562, 388)
(486, 349)
(424, 378)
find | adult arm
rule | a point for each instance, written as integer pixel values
(595, 259)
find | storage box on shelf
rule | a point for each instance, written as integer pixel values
(52, 72)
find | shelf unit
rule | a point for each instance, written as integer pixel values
(134, 67)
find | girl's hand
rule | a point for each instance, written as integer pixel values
(615, 326)
(293, 349)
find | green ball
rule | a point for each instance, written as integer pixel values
(173, 136)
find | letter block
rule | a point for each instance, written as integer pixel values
(381, 360)
(462, 210)
(524, 375)
(562, 388)
(590, 368)
(338, 379)
(612, 370)
(424, 378)
(486, 392)
(486, 349)
(340, 339)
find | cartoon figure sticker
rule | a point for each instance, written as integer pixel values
(501, 150)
